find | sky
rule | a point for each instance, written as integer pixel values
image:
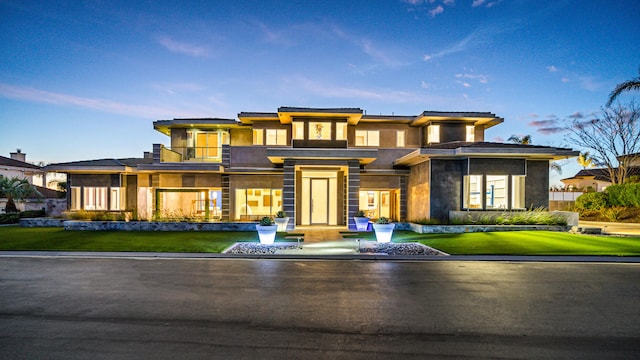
(83, 80)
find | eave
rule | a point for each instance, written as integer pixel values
(165, 126)
(425, 154)
(364, 156)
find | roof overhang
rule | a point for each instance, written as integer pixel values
(182, 167)
(424, 154)
(165, 126)
(87, 169)
(287, 114)
(485, 120)
(364, 156)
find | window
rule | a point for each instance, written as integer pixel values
(319, 131)
(377, 203)
(207, 144)
(76, 198)
(298, 130)
(257, 137)
(517, 192)
(472, 198)
(367, 138)
(253, 204)
(276, 137)
(114, 203)
(400, 138)
(470, 133)
(433, 134)
(95, 198)
(341, 131)
(496, 190)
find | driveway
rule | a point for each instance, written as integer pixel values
(143, 308)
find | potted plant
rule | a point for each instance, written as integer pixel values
(266, 230)
(282, 220)
(362, 222)
(383, 229)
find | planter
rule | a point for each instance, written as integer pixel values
(282, 222)
(267, 233)
(383, 232)
(362, 223)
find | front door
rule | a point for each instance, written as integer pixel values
(319, 201)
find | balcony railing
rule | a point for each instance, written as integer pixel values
(191, 154)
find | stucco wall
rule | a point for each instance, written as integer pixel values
(446, 187)
(386, 157)
(418, 192)
(537, 184)
(99, 180)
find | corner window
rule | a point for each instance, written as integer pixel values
(257, 137)
(367, 138)
(400, 138)
(471, 136)
(433, 134)
(276, 137)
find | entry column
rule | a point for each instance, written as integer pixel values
(353, 193)
(289, 192)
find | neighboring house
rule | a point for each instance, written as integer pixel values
(16, 166)
(320, 166)
(593, 179)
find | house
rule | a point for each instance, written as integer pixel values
(594, 179)
(321, 166)
(16, 166)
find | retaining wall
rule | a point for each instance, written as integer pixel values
(158, 226)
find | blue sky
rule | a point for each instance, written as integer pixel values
(85, 79)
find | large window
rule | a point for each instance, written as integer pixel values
(367, 138)
(378, 203)
(433, 134)
(471, 133)
(472, 198)
(253, 204)
(319, 131)
(205, 144)
(95, 198)
(276, 137)
(496, 189)
(496, 192)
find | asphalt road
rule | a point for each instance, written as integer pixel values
(60, 308)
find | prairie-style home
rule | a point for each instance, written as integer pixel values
(321, 166)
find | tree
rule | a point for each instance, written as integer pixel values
(614, 137)
(524, 140)
(633, 84)
(585, 160)
(16, 188)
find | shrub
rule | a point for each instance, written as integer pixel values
(266, 221)
(382, 220)
(627, 194)
(360, 213)
(591, 201)
(612, 213)
(95, 215)
(426, 221)
(281, 214)
(9, 218)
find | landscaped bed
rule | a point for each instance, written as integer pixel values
(493, 243)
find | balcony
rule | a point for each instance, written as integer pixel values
(190, 154)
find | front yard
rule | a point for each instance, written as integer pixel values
(494, 243)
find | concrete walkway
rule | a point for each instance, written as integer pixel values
(632, 229)
(323, 241)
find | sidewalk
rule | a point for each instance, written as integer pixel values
(611, 228)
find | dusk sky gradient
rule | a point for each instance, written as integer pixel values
(85, 80)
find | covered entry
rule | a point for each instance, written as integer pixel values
(320, 196)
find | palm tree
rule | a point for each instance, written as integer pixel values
(524, 140)
(633, 84)
(16, 189)
(585, 160)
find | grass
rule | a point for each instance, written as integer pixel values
(494, 243)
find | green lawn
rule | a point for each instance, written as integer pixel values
(495, 243)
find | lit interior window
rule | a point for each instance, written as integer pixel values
(367, 138)
(496, 190)
(472, 192)
(400, 138)
(517, 192)
(470, 133)
(341, 131)
(298, 130)
(276, 137)
(257, 137)
(319, 131)
(433, 135)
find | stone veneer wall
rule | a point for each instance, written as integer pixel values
(158, 226)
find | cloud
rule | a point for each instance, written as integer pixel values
(481, 36)
(551, 130)
(543, 123)
(174, 88)
(184, 48)
(576, 115)
(477, 3)
(342, 92)
(46, 97)
(552, 68)
(449, 2)
(479, 77)
(368, 47)
(425, 85)
(437, 10)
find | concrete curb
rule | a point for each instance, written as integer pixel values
(206, 256)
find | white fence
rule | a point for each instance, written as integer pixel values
(564, 195)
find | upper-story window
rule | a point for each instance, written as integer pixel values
(205, 144)
(276, 136)
(367, 138)
(258, 137)
(400, 134)
(319, 131)
(341, 131)
(297, 128)
(471, 136)
(433, 134)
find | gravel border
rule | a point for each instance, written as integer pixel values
(365, 247)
